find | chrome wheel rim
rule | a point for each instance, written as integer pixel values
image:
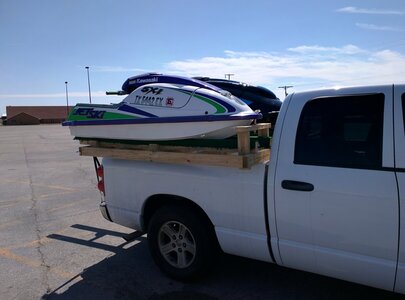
(176, 244)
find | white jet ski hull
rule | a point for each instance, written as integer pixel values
(181, 109)
(161, 131)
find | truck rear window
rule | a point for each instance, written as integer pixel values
(341, 132)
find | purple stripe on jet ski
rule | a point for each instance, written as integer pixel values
(137, 111)
(229, 107)
(133, 83)
(205, 118)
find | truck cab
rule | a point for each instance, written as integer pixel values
(338, 184)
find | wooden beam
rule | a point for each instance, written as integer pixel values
(243, 157)
(250, 128)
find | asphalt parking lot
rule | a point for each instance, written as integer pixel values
(54, 243)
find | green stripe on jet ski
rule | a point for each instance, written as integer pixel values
(220, 109)
(110, 115)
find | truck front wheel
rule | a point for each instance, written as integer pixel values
(180, 242)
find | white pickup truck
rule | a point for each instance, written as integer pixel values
(330, 200)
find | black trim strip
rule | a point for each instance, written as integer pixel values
(103, 207)
(266, 213)
(399, 231)
(389, 169)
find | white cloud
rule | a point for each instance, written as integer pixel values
(355, 10)
(378, 27)
(348, 49)
(305, 67)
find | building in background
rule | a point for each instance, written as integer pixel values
(34, 115)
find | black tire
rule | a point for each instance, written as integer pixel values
(181, 242)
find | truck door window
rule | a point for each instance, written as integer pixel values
(341, 132)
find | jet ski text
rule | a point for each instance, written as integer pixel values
(148, 100)
(89, 113)
(153, 90)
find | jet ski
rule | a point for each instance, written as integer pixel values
(162, 107)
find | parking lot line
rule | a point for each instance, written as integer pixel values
(21, 259)
(15, 201)
(33, 263)
(10, 223)
(40, 185)
(42, 197)
(67, 205)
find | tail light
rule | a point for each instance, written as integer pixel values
(100, 186)
(100, 175)
(100, 172)
(100, 179)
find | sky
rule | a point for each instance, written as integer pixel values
(308, 44)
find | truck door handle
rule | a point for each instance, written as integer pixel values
(297, 186)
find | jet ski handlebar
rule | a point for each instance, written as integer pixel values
(119, 93)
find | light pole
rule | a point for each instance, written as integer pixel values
(88, 81)
(285, 87)
(228, 76)
(67, 100)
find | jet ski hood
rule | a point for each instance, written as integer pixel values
(168, 100)
(135, 82)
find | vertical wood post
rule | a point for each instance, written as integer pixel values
(243, 140)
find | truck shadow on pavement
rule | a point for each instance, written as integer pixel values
(130, 273)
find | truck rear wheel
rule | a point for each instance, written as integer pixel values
(181, 242)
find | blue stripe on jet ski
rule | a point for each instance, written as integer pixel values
(134, 110)
(205, 118)
(229, 107)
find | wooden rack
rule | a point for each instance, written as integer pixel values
(246, 154)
